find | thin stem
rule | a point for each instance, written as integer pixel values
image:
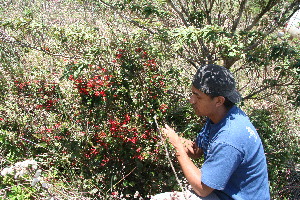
(120, 180)
(168, 157)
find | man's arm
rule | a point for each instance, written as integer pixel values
(190, 170)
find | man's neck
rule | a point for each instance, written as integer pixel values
(219, 114)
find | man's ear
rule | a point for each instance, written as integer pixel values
(220, 100)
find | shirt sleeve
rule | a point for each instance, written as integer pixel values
(222, 160)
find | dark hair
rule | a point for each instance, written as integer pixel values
(227, 103)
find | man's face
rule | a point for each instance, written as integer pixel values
(202, 104)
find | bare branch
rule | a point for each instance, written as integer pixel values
(237, 20)
(274, 27)
(168, 156)
(110, 189)
(9, 39)
(249, 96)
(229, 62)
(208, 9)
(184, 8)
(178, 12)
(281, 19)
(127, 18)
(270, 4)
(191, 61)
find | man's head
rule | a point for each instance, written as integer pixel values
(215, 80)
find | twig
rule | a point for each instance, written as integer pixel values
(249, 96)
(169, 159)
(268, 7)
(178, 12)
(127, 18)
(121, 180)
(4, 37)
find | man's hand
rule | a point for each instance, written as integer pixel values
(191, 148)
(183, 148)
(173, 137)
(181, 143)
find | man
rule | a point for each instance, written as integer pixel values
(234, 161)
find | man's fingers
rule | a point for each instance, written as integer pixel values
(167, 127)
(163, 131)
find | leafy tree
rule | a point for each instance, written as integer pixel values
(240, 35)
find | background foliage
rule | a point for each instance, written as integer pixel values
(82, 81)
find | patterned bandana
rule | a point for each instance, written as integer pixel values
(216, 80)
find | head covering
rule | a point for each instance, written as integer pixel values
(216, 80)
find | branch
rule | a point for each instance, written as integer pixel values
(127, 18)
(150, 31)
(280, 19)
(228, 62)
(110, 189)
(267, 87)
(270, 4)
(11, 40)
(273, 28)
(253, 46)
(237, 20)
(168, 156)
(185, 11)
(178, 12)
(212, 2)
(197, 58)
(208, 10)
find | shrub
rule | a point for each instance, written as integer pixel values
(282, 150)
(95, 126)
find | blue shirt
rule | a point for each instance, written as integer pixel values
(235, 163)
